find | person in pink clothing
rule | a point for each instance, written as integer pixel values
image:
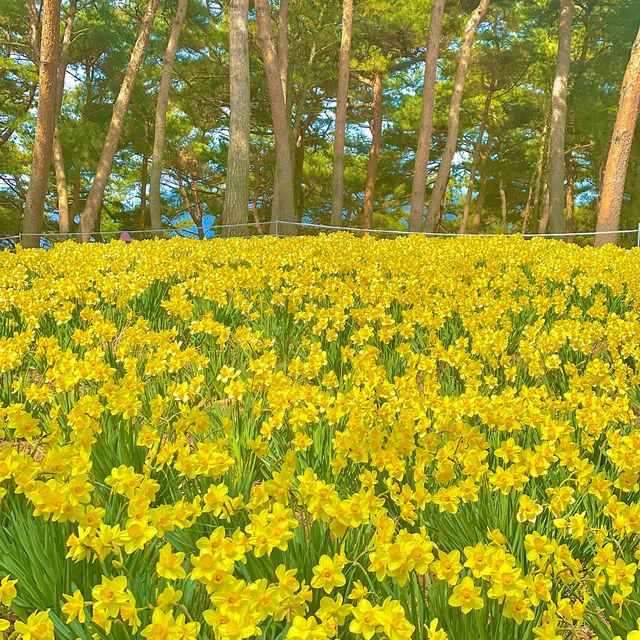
(125, 236)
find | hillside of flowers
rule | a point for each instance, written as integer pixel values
(313, 438)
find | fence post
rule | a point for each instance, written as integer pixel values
(638, 243)
(277, 232)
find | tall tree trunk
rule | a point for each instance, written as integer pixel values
(299, 129)
(236, 199)
(64, 54)
(374, 154)
(58, 158)
(80, 157)
(75, 197)
(93, 204)
(570, 204)
(476, 159)
(454, 114)
(441, 209)
(423, 149)
(285, 212)
(283, 47)
(503, 205)
(283, 70)
(198, 211)
(484, 172)
(144, 175)
(63, 58)
(161, 116)
(254, 213)
(477, 216)
(621, 141)
(555, 181)
(534, 189)
(544, 219)
(298, 174)
(337, 182)
(45, 124)
(77, 178)
(526, 213)
(61, 185)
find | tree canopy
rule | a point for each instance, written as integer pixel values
(513, 57)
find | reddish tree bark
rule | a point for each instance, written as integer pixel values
(374, 154)
(570, 196)
(423, 149)
(555, 181)
(284, 214)
(426, 118)
(58, 159)
(615, 172)
(162, 104)
(534, 188)
(475, 160)
(483, 185)
(544, 218)
(442, 179)
(337, 182)
(49, 49)
(92, 207)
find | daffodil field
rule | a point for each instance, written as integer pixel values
(312, 438)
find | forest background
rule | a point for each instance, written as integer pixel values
(454, 116)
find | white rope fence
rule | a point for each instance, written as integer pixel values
(278, 228)
(331, 228)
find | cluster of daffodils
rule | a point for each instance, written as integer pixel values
(317, 438)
